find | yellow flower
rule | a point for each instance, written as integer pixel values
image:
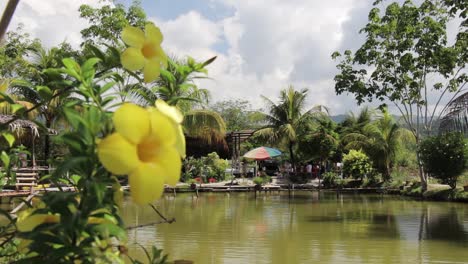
(143, 147)
(176, 117)
(144, 51)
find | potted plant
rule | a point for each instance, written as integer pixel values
(192, 184)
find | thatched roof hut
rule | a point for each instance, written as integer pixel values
(26, 131)
(19, 125)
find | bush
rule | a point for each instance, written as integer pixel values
(330, 180)
(356, 164)
(258, 180)
(444, 157)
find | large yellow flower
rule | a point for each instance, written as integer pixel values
(144, 51)
(144, 148)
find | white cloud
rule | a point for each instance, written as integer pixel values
(52, 21)
(268, 45)
(190, 34)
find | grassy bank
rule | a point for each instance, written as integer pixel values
(436, 192)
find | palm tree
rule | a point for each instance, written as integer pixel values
(380, 139)
(353, 123)
(287, 118)
(177, 87)
(32, 88)
(321, 141)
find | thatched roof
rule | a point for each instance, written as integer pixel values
(18, 125)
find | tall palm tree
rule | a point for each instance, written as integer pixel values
(287, 118)
(380, 139)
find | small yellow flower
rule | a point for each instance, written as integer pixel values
(143, 147)
(144, 51)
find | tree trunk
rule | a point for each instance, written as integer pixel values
(422, 175)
(291, 154)
(386, 174)
(47, 143)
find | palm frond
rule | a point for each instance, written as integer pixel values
(205, 124)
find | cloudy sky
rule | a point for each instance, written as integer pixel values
(262, 45)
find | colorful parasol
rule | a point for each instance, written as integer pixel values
(262, 153)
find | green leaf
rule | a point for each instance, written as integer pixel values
(5, 159)
(88, 69)
(44, 92)
(16, 107)
(9, 138)
(72, 68)
(209, 61)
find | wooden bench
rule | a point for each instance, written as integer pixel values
(26, 179)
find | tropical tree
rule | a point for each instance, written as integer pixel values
(381, 140)
(238, 114)
(176, 85)
(407, 60)
(107, 21)
(287, 118)
(45, 88)
(321, 141)
(355, 124)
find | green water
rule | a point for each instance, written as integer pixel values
(308, 228)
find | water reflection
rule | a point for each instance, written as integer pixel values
(306, 228)
(443, 226)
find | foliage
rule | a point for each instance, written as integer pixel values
(85, 226)
(176, 85)
(330, 179)
(216, 167)
(13, 53)
(356, 164)
(287, 118)
(238, 114)
(406, 48)
(380, 139)
(321, 142)
(258, 181)
(210, 166)
(193, 167)
(444, 157)
(157, 257)
(107, 21)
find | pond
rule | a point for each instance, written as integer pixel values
(307, 227)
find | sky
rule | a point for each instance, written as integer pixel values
(262, 46)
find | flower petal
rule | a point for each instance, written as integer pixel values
(172, 164)
(146, 183)
(170, 111)
(118, 155)
(153, 33)
(133, 36)
(180, 141)
(162, 128)
(132, 122)
(151, 70)
(132, 59)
